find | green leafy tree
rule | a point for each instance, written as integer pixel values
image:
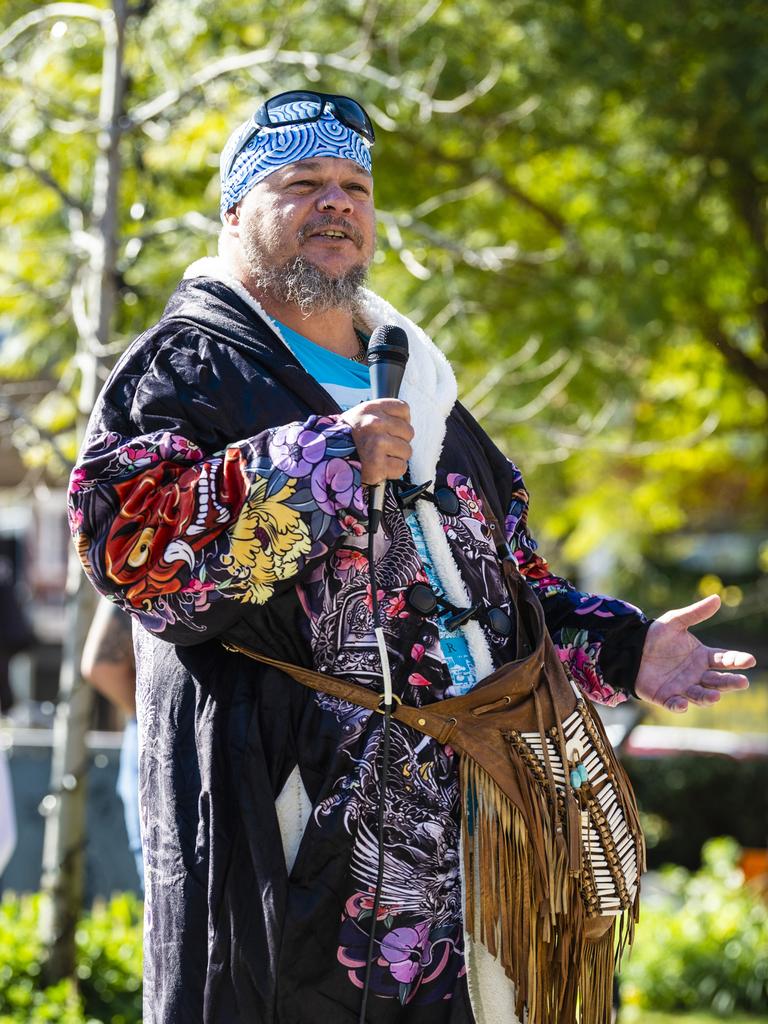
(584, 235)
(572, 201)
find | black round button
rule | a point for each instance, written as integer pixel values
(421, 599)
(499, 621)
(447, 501)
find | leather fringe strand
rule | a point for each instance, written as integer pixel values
(596, 983)
(523, 903)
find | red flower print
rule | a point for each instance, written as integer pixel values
(417, 679)
(368, 599)
(352, 525)
(396, 608)
(468, 496)
(350, 560)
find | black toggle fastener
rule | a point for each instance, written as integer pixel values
(421, 599)
(499, 621)
(462, 616)
(444, 498)
(424, 601)
(407, 494)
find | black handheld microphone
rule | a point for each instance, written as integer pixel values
(387, 356)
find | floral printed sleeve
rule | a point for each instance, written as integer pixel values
(599, 639)
(184, 541)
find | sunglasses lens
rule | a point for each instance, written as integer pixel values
(288, 106)
(421, 600)
(353, 115)
(447, 501)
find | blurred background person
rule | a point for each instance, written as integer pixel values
(16, 635)
(108, 665)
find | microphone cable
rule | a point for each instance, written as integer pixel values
(388, 707)
(387, 357)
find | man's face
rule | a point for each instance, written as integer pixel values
(308, 231)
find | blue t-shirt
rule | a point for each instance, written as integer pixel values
(349, 383)
(346, 381)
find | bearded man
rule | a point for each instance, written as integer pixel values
(220, 496)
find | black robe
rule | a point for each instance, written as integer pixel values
(217, 497)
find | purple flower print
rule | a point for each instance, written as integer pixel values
(407, 950)
(415, 964)
(333, 485)
(296, 450)
(604, 607)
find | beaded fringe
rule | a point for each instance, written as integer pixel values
(523, 895)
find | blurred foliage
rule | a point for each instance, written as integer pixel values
(634, 1015)
(686, 799)
(584, 235)
(108, 986)
(706, 946)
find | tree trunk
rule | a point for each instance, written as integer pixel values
(65, 838)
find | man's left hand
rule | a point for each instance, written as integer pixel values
(677, 669)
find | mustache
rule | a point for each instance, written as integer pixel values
(328, 221)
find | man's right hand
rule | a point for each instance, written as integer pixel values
(382, 433)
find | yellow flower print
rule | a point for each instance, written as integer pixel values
(266, 543)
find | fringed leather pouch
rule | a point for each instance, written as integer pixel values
(552, 839)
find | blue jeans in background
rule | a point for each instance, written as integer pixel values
(128, 791)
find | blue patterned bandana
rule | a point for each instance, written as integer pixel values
(272, 148)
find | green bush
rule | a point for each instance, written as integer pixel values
(703, 948)
(108, 987)
(706, 947)
(109, 960)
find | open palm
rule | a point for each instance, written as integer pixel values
(677, 669)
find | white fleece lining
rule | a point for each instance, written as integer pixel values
(429, 387)
(491, 993)
(293, 808)
(453, 584)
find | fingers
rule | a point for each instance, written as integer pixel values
(383, 458)
(702, 695)
(384, 416)
(693, 613)
(707, 692)
(387, 406)
(394, 469)
(719, 658)
(382, 433)
(676, 704)
(725, 680)
(393, 412)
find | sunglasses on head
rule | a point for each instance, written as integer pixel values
(273, 114)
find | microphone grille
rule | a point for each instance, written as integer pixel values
(388, 341)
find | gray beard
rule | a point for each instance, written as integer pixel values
(301, 283)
